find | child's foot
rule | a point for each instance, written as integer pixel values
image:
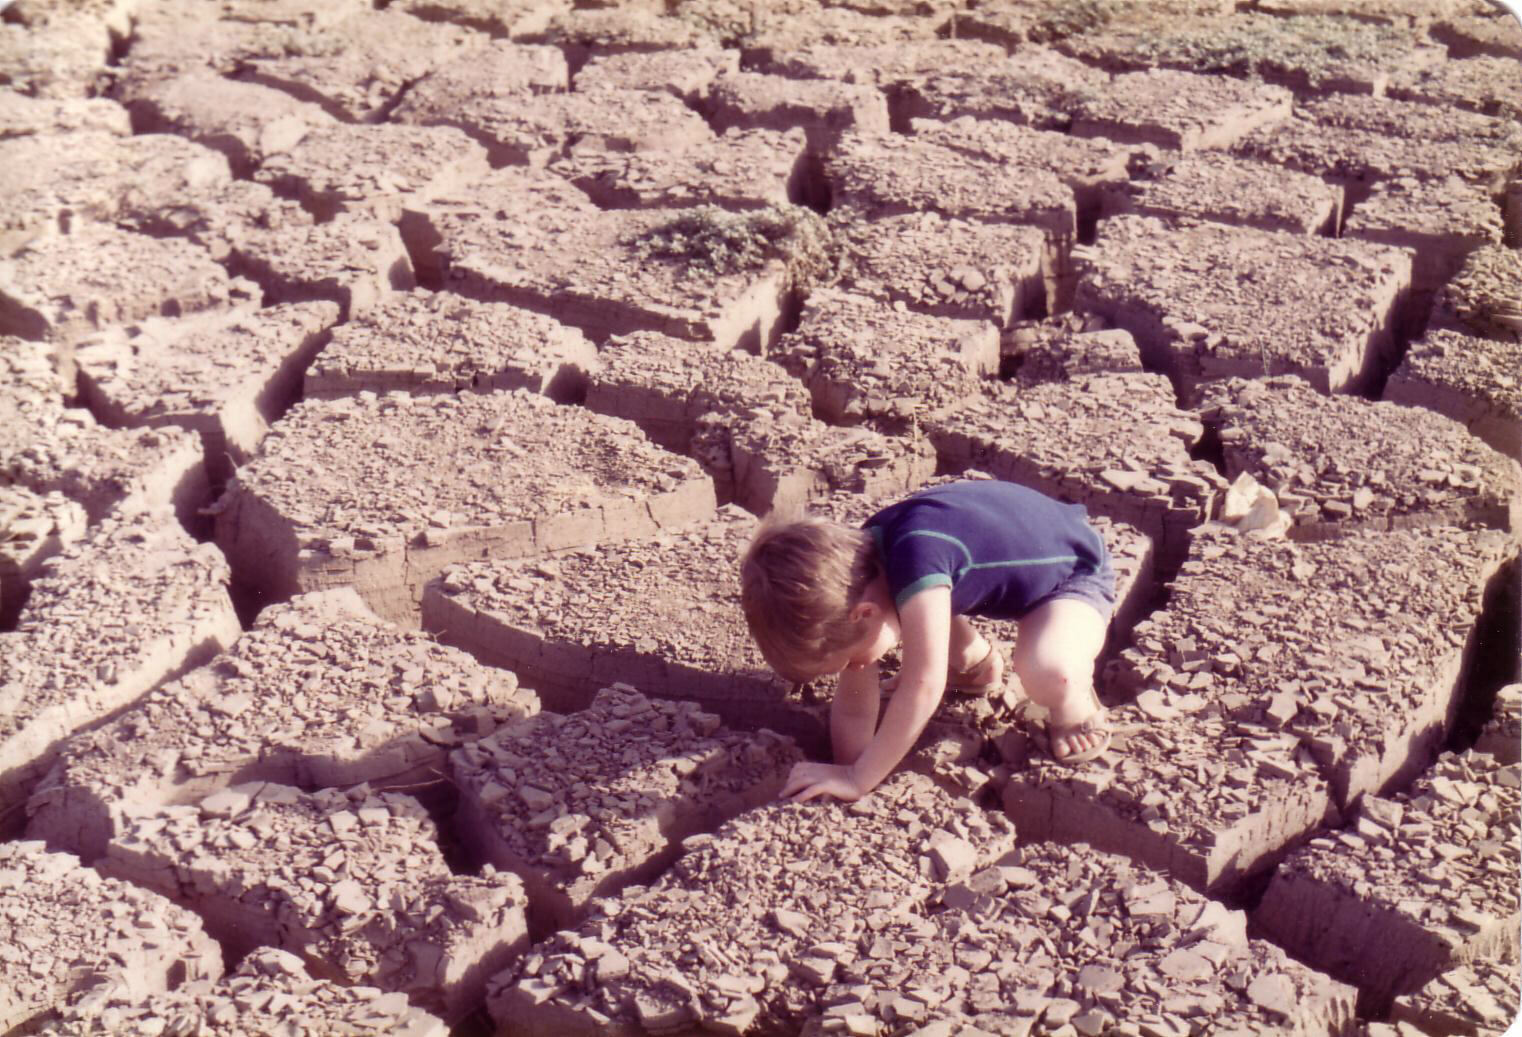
(981, 678)
(1079, 734)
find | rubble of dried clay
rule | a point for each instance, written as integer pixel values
(355, 261)
(135, 602)
(33, 528)
(276, 708)
(383, 492)
(270, 992)
(1341, 463)
(66, 929)
(581, 805)
(1222, 188)
(427, 342)
(352, 881)
(1419, 883)
(1181, 111)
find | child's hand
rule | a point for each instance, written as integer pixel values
(808, 780)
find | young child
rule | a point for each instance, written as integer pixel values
(823, 598)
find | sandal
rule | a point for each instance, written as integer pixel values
(1097, 724)
(983, 677)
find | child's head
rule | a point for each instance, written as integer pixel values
(799, 580)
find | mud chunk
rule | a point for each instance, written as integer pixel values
(397, 919)
(865, 360)
(424, 342)
(543, 621)
(1183, 111)
(1442, 222)
(824, 109)
(354, 261)
(134, 603)
(688, 73)
(385, 492)
(225, 377)
(1335, 627)
(67, 929)
(270, 991)
(22, 116)
(1203, 306)
(1427, 890)
(1209, 185)
(1033, 87)
(739, 169)
(1392, 467)
(278, 707)
(33, 528)
(626, 781)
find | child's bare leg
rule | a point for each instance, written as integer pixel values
(1054, 658)
(967, 647)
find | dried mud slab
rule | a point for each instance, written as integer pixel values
(1479, 29)
(1419, 884)
(375, 171)
(1342, 464)
(1206, 799)
(1307, 54)
(33, 528)
(581, 806)
(780, 462)
(746, 421)
(1473, 999)
(1222, 188)
(945, 268)
(891, 67)
(64, 58)
(226, 378)
(67, 928)
(1486, 294)
(878, 176)
(22, 116)
(1031, 87)
(1441, 222)
(1208, 301)
(46, 448)
(57, 181)
(738, 169)
(776, 31)
(270, 992)
(62, 288)
(1178, 110)
(728, 940)
(426, 342)
(133, 604)
(1358, 139)
(594, 270)
(1479, 84)
(246, 122)
(1068, 939)
(1112, 440)
(352, 260)
(687, 74)
(1501, 736)
(865, 360)
(824, 109)
(1356, 647)
(385, 492)
(513, 19)
(276, 707)
(352, 882)
(663, 615)
(356, 68)
(595, 31)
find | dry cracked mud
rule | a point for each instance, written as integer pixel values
(388, 391)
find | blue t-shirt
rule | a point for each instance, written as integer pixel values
(999, 546)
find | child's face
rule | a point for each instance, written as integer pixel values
(879, 634)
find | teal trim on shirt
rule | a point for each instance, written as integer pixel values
(923, 583)
(1016, 562)
(937, 534)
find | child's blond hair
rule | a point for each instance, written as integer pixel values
(798, 582)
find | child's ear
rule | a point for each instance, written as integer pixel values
(863, 610)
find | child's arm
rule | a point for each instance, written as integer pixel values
(925, 629)
(853, 712)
